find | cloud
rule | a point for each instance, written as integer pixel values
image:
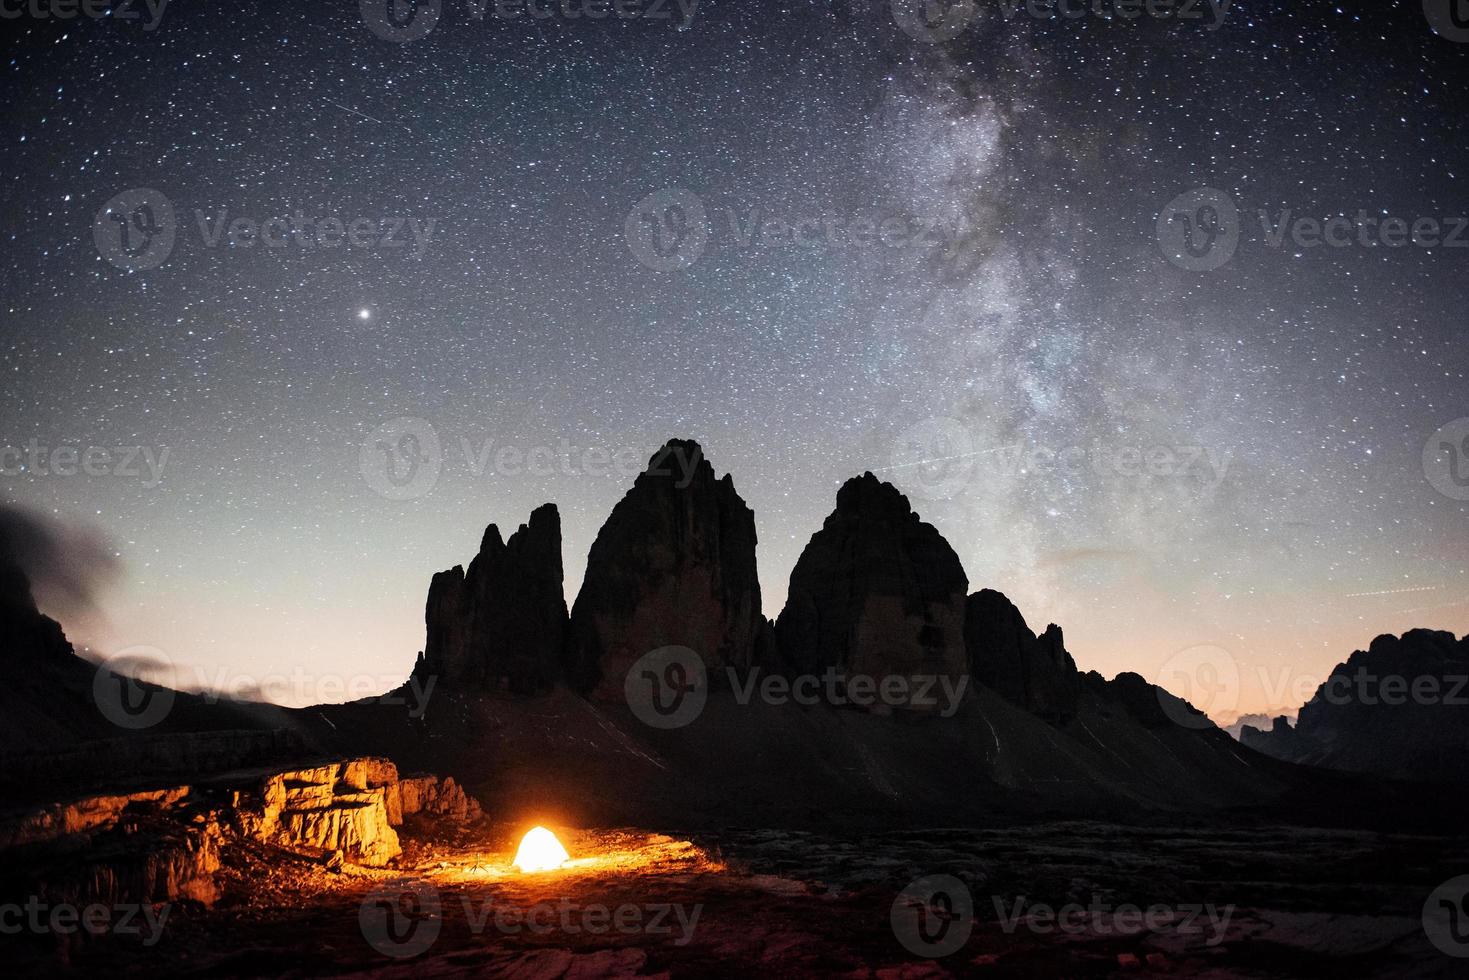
(68, 567)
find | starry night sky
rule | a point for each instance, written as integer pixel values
(1040, 311)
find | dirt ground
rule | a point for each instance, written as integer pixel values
(1054, 900)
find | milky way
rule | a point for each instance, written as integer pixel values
(814, 240)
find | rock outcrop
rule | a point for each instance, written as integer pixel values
(163, 844)
(343, 806)
(876, 592)
(27, 636)
(502, 622)
(1399, 708)
(673, 565)
(1280, 740)
(1034, 672)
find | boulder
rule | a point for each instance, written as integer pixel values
(876, 592)
(673, 566)
(341, 806)
(435, 797)
(502, 622)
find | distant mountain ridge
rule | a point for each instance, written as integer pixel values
(527, 698)
(1399, 708)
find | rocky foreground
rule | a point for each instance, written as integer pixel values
(164, 845)
(1048, 900)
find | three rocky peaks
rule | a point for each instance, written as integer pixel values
(877, 591)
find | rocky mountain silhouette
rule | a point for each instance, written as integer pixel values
(528, 707)
(1399, 708)
(674, 565)
(876, 592)
(1034, 672)
(502, 622)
